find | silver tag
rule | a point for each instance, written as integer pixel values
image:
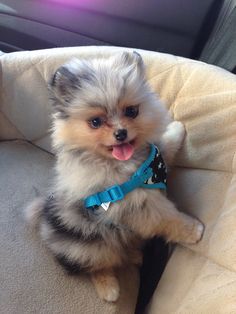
(105, 206)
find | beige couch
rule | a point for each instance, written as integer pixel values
(199, 278)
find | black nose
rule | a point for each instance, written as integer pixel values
(121, 134)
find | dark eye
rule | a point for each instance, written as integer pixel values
(131, 111)
(95, 123)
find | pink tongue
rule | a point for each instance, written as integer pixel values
(123, 151)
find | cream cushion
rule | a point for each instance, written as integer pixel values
(198, 278)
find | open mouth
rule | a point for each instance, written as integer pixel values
(123, 151)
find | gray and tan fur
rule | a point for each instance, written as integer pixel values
(96, 241)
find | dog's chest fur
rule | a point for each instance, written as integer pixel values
(80, 176)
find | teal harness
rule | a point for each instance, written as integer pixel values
(150, 175)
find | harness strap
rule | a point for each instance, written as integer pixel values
(118, 192)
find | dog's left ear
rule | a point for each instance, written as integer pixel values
(132, 61)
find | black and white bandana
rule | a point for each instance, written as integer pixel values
(159, 171)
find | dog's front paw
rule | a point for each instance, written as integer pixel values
(196, 233)
(172, 140)
(176, 132)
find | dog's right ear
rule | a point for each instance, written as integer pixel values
(66, 81)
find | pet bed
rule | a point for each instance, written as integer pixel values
(198, 278)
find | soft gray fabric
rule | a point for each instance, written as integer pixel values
(221, 46)
(31, 281)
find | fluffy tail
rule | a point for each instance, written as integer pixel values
(33, 211)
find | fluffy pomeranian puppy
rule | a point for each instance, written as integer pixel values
(105, 117)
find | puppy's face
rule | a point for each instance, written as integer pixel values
(105, 106)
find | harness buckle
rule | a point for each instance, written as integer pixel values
(115, 192)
